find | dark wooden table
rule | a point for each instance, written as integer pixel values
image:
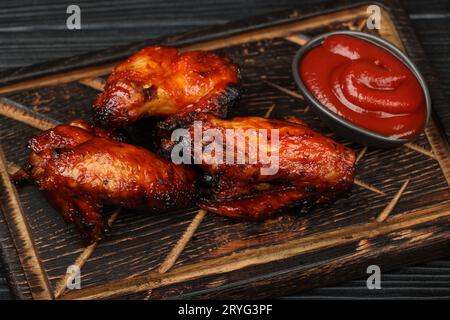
(32, 32)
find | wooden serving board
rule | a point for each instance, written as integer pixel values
(398, 212)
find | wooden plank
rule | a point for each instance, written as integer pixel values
(19, 113)
(22, 237)
(181, 244)
(61, 286)
(264, 255)
(440, 149)
(107, 24)
(264, 32)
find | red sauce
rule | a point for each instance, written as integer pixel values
(365, 84)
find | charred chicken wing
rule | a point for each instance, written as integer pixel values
(306, 167)
(81, 169)
(161, 82)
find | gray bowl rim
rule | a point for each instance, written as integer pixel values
(379, 42)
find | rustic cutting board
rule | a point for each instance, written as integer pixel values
(398, 212)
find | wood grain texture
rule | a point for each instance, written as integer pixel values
(79, 66)
(20, 231)
(275, 253)
(19, 79)
(139, 244)
(391, 205)
(60, 286)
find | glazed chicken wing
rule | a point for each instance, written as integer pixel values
(81, 169)
(161, 82)
(308, 168)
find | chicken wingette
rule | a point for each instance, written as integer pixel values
(311, 169)
(81, 169)
(164, 83)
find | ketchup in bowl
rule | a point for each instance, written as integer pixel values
(366, 85)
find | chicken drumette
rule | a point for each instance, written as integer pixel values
(161, 82)
(81, 169)
(312, 169)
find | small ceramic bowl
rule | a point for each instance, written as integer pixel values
(346, 128)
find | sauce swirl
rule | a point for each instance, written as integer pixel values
(365, 84)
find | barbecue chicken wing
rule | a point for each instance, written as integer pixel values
(312, 169)
(161, 82)
(82, 169)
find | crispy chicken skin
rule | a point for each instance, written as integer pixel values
(312, 169)
(81, 169)
(161, 82)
